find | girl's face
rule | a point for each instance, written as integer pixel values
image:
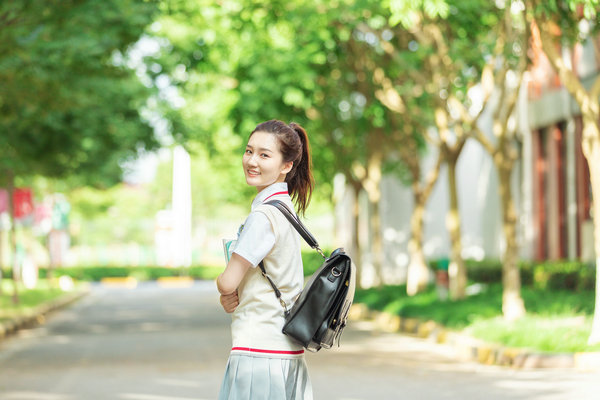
(263, 162)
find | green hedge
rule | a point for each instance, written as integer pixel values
(311, 259)
(567, 275)
(570, 275)
(96, 273)
(561, 274)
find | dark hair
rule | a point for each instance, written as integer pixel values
(293, 144)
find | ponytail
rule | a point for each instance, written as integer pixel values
(300, 179)
(294, 146)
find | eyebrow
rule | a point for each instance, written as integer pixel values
(260, 149)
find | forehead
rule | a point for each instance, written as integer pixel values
(263, 140)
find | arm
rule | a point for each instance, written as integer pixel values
(257, 226)
(229, 280)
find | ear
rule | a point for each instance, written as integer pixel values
(287, 167)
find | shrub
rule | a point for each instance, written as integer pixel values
(96, 273)
(484, 271)
(312, 260)
(561, 274)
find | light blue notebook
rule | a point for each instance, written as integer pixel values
(228, 247)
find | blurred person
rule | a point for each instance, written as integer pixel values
(264, 363)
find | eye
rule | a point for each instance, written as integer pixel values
(248, 151)
(264, 155)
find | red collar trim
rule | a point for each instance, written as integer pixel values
(275, 194)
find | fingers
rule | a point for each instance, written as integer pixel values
(229, 302)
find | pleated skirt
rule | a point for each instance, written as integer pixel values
(265, 378)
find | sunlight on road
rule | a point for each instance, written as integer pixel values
(137, 396)
(393, 349)
(178, 382)
(156, 343)
(34, 396)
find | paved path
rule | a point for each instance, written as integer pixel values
(154, 343)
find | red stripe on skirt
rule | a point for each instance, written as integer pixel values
(267, 351)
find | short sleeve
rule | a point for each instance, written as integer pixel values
(256, 238)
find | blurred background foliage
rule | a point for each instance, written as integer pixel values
(96, 95)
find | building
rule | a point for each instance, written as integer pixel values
(550, 184)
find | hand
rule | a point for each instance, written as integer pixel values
(230, 301)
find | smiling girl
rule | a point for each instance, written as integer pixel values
(264, 363)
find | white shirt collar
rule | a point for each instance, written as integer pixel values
(276, 188)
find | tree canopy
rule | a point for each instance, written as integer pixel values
(67, 103)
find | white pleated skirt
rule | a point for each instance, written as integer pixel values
(265, 378)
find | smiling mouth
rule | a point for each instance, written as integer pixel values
(253, 173)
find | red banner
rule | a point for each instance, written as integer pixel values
(22, 200)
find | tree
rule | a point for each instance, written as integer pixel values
(454, 68)
(565, 23)
(368, 120)
(504, 74)
(442, 70)
(441, 36)
(408, 112)
(68, 104)
(309, 63)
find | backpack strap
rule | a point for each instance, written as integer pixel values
(275, 289)
(306, 235)
(297, 224)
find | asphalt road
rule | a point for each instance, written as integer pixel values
(155, 343)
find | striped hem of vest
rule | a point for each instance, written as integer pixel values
(250, 351)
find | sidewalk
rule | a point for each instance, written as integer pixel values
(472, 349)
(38, 314)
(466, 347)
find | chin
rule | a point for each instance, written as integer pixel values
(252, 182)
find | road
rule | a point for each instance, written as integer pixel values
(155, 343)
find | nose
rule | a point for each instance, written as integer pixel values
(252, 160)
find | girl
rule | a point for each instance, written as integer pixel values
(264, 363)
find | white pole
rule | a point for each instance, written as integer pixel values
(182, 208)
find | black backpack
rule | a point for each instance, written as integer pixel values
(320, 312)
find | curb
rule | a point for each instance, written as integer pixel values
(127, 282)
(175, 281)
(472, 349)
(38, 314)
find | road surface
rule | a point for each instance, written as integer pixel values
(157, 343)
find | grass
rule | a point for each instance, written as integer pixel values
(557, 321)
(558, 334)
(28, 298)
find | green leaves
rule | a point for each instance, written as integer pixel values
(65, 107)
(407, 12)
(576, 19)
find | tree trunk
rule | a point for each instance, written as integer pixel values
(592, 154)
(373, 186)
(13, 236)
(377, 240)
(356, 248)
(418, 273)
(457, 271)
(512, 302)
